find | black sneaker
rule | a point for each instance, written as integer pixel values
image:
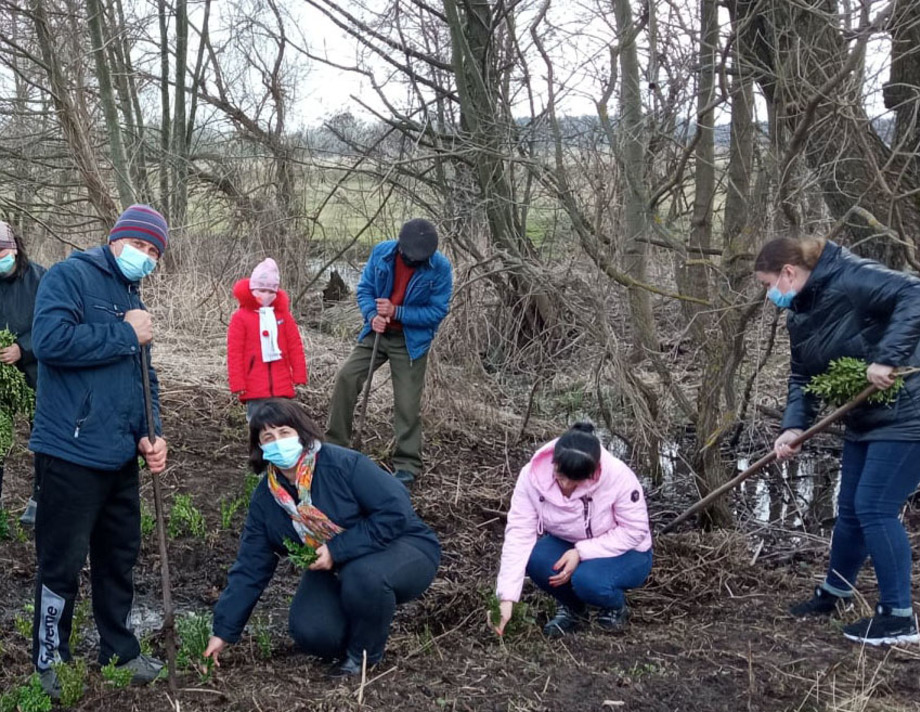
(613, 620)
(823, 603)
(567, 620)
(883, 629)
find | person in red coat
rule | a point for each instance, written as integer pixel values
(265, 356)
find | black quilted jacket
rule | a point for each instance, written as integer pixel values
(856, 307)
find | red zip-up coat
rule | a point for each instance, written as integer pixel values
(246, 370)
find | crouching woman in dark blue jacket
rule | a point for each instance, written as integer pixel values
(373, 551)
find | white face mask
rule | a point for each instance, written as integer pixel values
(264, 297)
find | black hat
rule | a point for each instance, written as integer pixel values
(418, 240)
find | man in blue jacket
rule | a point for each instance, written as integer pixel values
(90, 425)
(403, 295)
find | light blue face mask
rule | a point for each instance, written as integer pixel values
(283, 453)
(134, 264)
(783, 301)
(7, 263)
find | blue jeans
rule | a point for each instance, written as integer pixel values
(875, 480)
(597, 582)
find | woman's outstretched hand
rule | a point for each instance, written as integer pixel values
(782, 447)
(215, 645)
(505, 609)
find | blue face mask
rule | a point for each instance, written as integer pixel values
(7, 263)
(134, 264)
(283, 453)
(783, 301)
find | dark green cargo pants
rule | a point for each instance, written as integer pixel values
(408, 385)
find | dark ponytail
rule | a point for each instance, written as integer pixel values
(578, 452)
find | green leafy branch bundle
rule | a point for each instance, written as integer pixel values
(301, 555)
(845, 379)
(16, 398)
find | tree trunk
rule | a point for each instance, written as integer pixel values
(707, 462)
(179, 149)
(806, 72)
(129, 102)
(485, 129)
(72, 126)
(632, 150)
(96, 20)
(165, 120)
(902, 92)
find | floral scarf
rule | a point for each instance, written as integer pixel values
(313, 527)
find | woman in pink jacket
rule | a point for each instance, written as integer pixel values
(578, 526)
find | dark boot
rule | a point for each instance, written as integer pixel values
(613, 620)
(566, 621)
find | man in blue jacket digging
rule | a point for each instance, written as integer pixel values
(403, 294)
(90, 425)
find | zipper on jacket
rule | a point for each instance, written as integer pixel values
(271, 384)
(114, 311)
(84, 414)
(540, 517)
(586, 501)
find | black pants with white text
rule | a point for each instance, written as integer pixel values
(80, 511)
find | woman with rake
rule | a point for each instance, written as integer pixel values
(372, 550)
(842, 305)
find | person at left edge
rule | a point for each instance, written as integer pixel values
(19, 279)
(90, 425)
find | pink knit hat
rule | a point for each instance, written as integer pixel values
(265, 276)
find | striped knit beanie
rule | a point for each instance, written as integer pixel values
(7, 241)
(142, 223)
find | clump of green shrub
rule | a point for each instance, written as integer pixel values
(521, 616)
(16, 397)
(194, 631)
(28, 697)
(845, 379)
(301, 555)
(185, 518)
(71, 677)
(115, 676)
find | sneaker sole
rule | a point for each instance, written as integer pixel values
(891, 640)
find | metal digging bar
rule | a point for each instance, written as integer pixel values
(362, 415)
(818, 427)
(169, 616)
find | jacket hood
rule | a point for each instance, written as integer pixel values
(244, 296)
(100, 257)
(827, 268)
(543, 477)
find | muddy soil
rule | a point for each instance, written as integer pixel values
(708, 632)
